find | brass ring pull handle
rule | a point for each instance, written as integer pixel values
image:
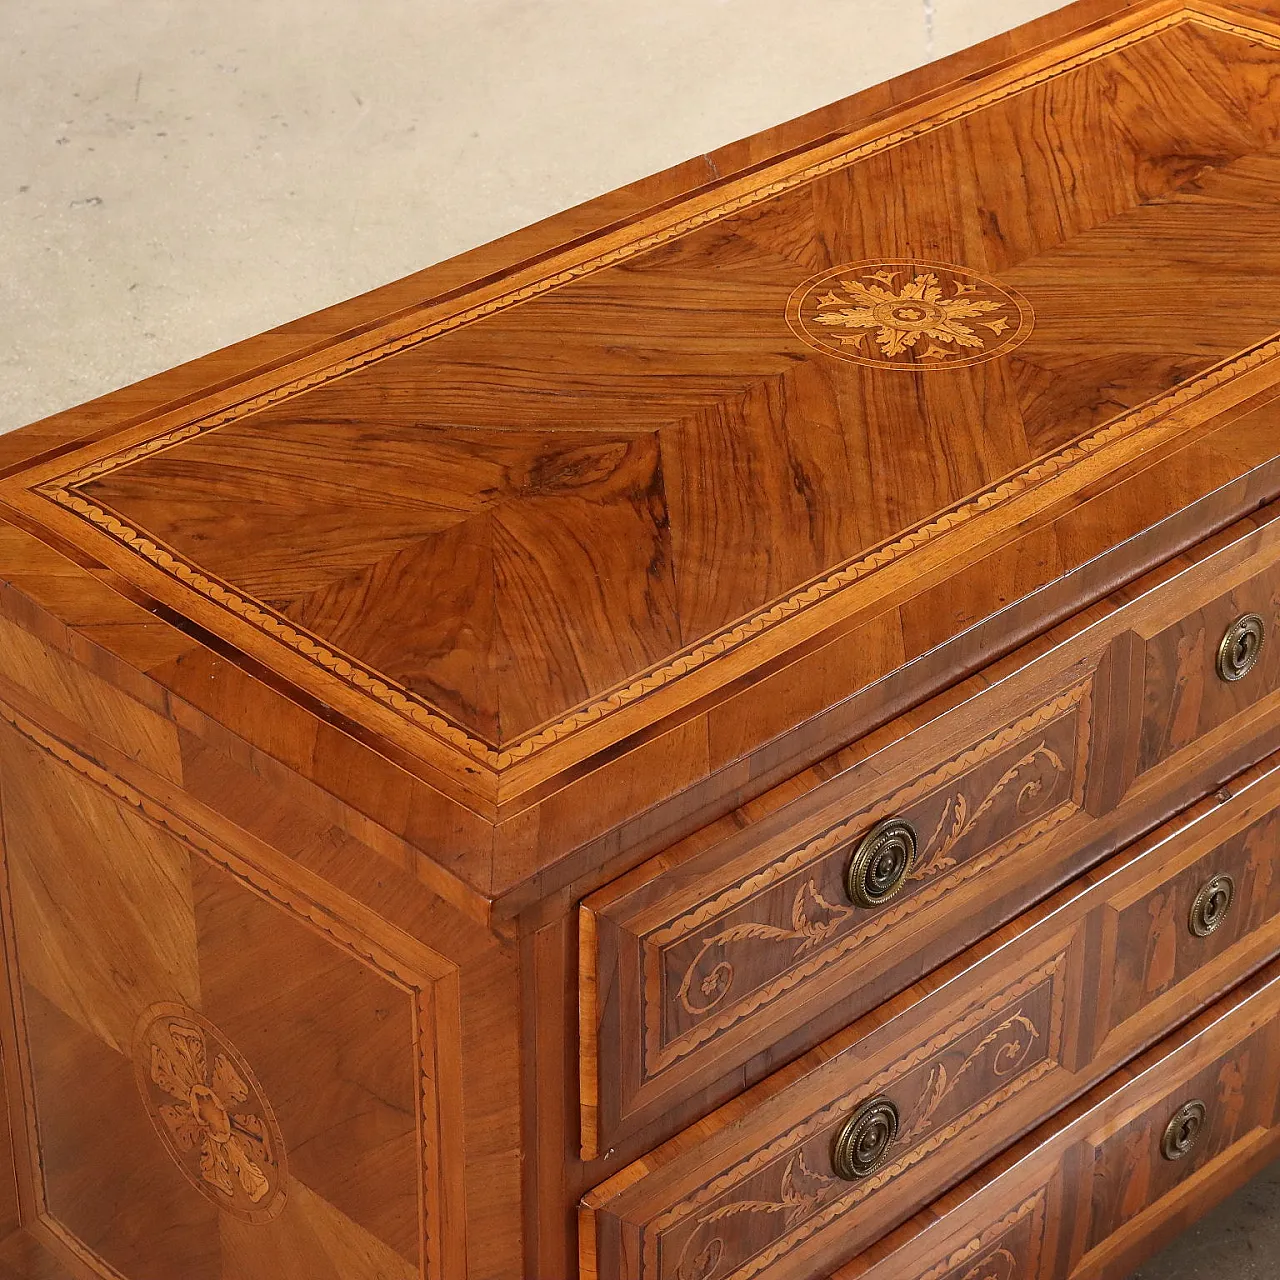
(1211, 905)
(862, 1144)
(881, 863)
(1183, 1131)
(1240, 647)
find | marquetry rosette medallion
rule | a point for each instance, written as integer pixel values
(210, 1112)
(905, 314)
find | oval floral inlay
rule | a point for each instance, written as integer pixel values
(904, 314)
(210, 1112)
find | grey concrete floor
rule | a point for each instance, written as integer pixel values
(1239, 1240)
(177, 175)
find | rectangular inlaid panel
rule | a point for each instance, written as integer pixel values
(678, 989)
(1132, 1168)
(1184, 693)
(1004, 1036)
(482, 528)
(223, 1076)
(1196, 902)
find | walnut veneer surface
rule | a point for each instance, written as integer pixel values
(442, 740)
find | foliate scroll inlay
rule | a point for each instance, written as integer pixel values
(761, 937)
(813, 921)
(909, 315)
(210, 1112)
(1008, 1249)
(762, 1207)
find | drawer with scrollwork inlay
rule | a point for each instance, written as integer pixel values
(841, 1146)
(1096, 1189)
(699, 966)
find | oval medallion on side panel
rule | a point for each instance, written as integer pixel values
(210, 1112)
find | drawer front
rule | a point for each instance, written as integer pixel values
(714, 965)
(1098, 1189)
(1006, 1035)
(701, 962)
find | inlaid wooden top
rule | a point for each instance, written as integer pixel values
(517, 523)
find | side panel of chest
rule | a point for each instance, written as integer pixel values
(257, 1079)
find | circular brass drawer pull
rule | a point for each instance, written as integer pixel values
(1240, 647)
(1183, 1131)
(1211, 905)
(862, 1144)
(881, 863)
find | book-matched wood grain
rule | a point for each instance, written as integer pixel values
(702, 959)
(971, 1057)
(487, 539)
(339, 667)
(471, 541)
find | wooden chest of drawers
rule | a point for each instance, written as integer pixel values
(735, 733)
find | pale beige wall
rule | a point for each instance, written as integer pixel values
(177, 174)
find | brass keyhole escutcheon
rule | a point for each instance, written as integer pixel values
(1211, 905)
(863, 1143)
(1183, 1131)
(1240, 647)
(881, 863)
